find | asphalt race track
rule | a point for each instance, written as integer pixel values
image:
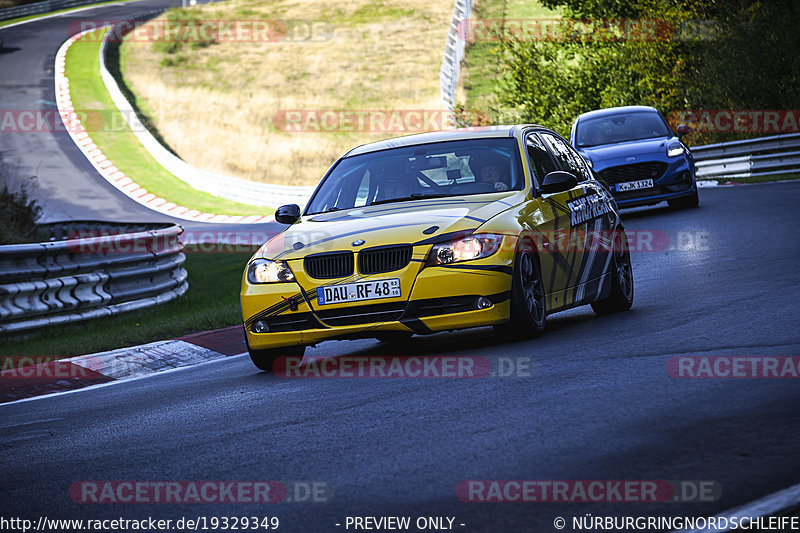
(68, 187)
(598, 404)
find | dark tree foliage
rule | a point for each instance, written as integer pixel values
(706, 55)
(20, 211)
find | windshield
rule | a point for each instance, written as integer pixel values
(471, 166)
(620, 128)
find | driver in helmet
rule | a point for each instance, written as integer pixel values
(489, 170)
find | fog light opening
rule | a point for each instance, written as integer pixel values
(260, 327)
(483, 302)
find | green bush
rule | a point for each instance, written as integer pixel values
(173, 61)
(167, 47)
(20, 211)
(721, 55)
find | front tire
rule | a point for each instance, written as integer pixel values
(621, 296)
(264, 359)
(395, 337)
(528, 310)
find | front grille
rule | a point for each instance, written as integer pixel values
(636, 171)
(384, 259)
(362, 314)
(329, 265)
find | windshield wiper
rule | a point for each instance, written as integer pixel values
(415, 196)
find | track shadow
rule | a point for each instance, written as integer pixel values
(113, 66)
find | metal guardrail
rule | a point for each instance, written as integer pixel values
(764, 156)
(454, 52)
(91, 270)
(42, 7)
(247, 192)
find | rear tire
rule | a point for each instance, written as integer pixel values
(528, 310)
(685, 202)
(621, 296)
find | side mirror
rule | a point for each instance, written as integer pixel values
(558, 181)
(287, 214)
(682, 130)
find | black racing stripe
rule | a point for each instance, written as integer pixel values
(584, 264)
(500, 297)
(556, 206)
(494, 268)
(416, 325)
(307, 298)
(283, 305)
(576, 235)
(401, 206)
(554, 252)
(562, 262)
(444, 237)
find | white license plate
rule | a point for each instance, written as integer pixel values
(633, 185)
(362, 290)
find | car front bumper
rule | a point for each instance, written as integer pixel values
(677, 181)
(434, 298)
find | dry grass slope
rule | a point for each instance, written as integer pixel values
(215, 105)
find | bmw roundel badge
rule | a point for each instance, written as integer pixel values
(359, 242)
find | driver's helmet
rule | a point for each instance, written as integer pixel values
(488, 167)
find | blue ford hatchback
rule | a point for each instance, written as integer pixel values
(636, 153)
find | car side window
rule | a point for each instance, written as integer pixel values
(567, 157)
(585, 170)
(538, 158)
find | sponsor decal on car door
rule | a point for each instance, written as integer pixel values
(588, 221)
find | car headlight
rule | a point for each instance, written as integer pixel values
(266, 271)
(674, 149)
(466, 249)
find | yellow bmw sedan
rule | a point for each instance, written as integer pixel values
(438, 231)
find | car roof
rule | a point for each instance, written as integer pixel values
(455, 134)
(616, 111)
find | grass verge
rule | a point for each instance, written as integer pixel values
(117, 141)
(758, 179)
(362, 56)
(481, 68)
(211, 302)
